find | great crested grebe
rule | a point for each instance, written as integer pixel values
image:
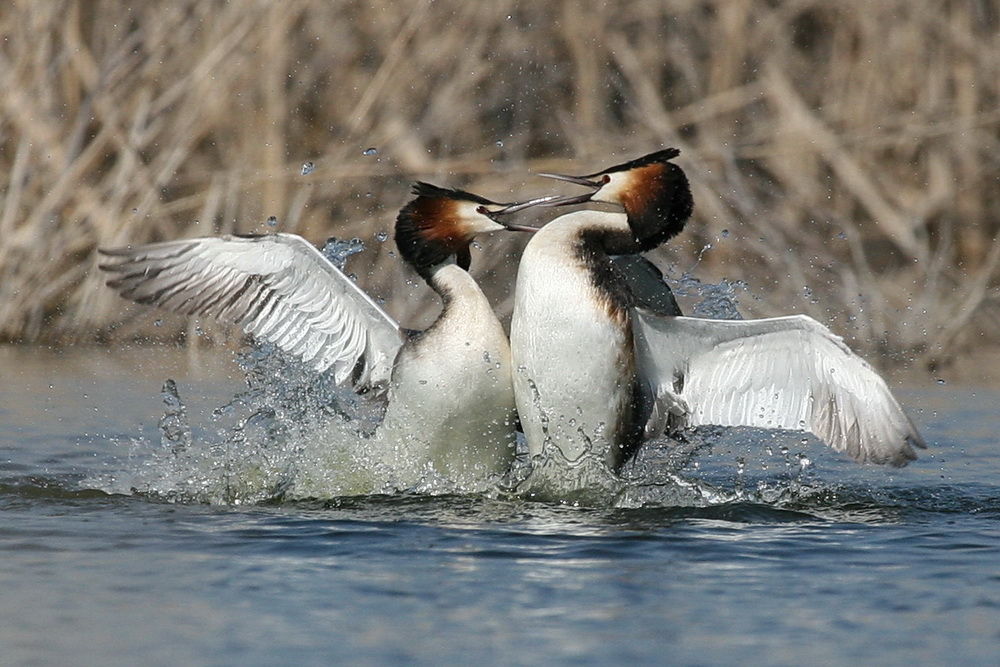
(450, 404)
(595, 373)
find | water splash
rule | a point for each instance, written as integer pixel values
(288, 427)
(293, 436)
(716, 301)
(175, 431)
(337, 251)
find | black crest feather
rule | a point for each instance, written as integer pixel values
(659, 156)
(422, 189)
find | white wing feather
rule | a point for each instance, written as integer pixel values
(278, 287)
(783, 373)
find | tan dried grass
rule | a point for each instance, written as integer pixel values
(851, 151)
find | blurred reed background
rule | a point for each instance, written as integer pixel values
(845, 156)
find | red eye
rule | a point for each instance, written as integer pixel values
(605, 179)
(481, 210)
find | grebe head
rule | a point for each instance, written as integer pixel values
(653, 191)
(441, 222)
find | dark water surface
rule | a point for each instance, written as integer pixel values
(844, 564)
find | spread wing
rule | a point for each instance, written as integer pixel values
(278, 287)
(783, 373)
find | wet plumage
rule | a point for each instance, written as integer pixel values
(450, 406)
(600, 367)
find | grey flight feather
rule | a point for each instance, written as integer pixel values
(783, 373)
(278, 287)
(645, 282)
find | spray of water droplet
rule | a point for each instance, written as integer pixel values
(337, 251)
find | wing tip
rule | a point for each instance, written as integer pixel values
(897, 457)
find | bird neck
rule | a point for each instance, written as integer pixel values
(430, 257)
(457, 289)
(580, 244)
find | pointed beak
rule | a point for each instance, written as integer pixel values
(520, 206)
(513, 227)
(579, 180)
(514, 208)
(572, 199)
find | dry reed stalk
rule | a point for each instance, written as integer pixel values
(843, 155)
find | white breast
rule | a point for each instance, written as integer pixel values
(573, 360)
(451, 404)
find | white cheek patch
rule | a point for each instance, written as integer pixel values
(613, 191)
(474, 222)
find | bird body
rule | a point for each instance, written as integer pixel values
(451, 403)
(597, 370)
(574, 366)
(450, 407)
